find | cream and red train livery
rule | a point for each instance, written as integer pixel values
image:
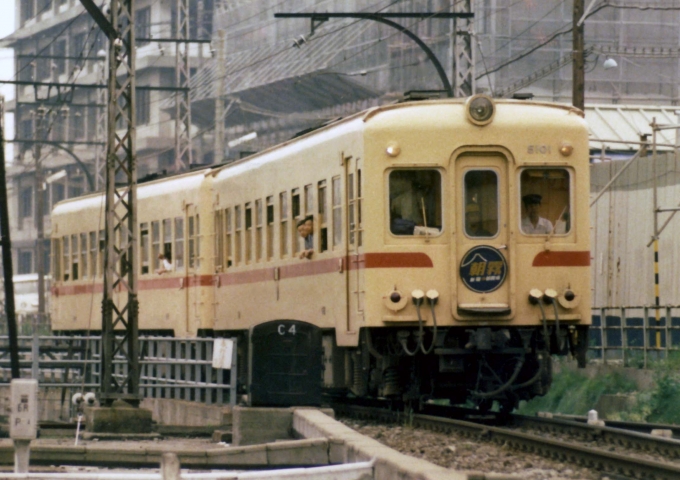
(451, 248)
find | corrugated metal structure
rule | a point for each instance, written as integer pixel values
(611, 126)
(622, 227)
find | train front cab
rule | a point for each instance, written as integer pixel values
(518, 265)
(505, 295)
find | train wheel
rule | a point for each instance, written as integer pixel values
(507, 405)
(484, 405)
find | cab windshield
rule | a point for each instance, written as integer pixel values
(544, 195)
(415, 199)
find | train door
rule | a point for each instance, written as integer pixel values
(354, 258)
(482, 262)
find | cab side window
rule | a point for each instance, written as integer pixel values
(415, 199)
(544, 197)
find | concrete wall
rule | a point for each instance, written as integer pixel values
(167, 411)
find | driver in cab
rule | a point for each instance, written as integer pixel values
(533, 223)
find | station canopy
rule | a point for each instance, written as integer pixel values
(610, 124)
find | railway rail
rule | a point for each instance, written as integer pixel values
(565, 451)
(633, 426)
(617, 436)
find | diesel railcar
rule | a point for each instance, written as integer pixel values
(450, 248)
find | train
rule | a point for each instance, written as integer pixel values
(445, 254)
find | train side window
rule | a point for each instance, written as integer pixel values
(83, 255)
(351, 220)
(194, 249)
(227, 221)
(67, 258)
(218, 246)
(359, 201)
(283, 212)
(544, 198)
(270, 227)
(295, 204)
(337, 212)
(123, 238)
(321, 220)
(249, 232)
(415, 199)
(178, 261)
(198, 240)
(94, 245)
(74, 257)
(102, 246)
(155, 244)
(167, 239)
(56, 257)
(258, 230)
(309, 200)
(480, 203)
(144, 247)
(237, 235)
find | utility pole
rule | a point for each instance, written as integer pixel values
(120, 312)
(39, 214)
(464, 62)
(7, 254)
(121, 258)
(219, 100)
(578, 68)
(100, 129)
(182, 77)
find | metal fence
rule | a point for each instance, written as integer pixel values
(634, 335)
(184, 368)
(170, 367)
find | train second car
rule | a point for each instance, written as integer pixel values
(445, 250)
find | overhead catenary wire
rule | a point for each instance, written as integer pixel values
(529, 51)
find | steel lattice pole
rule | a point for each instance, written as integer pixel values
(182, 77)
(464, 76)
(100, 169)
(120, 311)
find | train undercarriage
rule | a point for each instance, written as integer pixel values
(480, 365)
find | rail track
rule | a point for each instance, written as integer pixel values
(594, 457)
(632, 426)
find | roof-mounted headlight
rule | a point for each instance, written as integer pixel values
(480, 109)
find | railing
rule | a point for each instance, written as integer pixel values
(170, 367)
(183, 368)
(632, 334)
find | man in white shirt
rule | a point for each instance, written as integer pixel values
(533, 224)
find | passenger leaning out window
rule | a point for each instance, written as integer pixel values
(166, 264)
(305, 228)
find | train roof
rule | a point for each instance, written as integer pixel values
(355, 123)
(161, 186)
(349, 124)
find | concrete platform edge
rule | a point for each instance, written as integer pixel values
(348, 446)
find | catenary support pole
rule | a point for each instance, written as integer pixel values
(578, 65)
(7, 254)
